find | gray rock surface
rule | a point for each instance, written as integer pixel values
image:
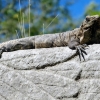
(50, 74)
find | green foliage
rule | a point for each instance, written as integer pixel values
(46, 16)
(92, 9)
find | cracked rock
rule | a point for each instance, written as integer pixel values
(50, 74)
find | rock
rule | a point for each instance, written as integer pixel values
(50, 74)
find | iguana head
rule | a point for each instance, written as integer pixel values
(89, 28)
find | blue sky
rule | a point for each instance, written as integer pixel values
(77, 9)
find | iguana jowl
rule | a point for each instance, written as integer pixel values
(87, 33)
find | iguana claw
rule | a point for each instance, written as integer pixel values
(1, 51)
(81, 51)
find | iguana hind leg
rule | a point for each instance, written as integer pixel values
(21, 45)
(3, 49)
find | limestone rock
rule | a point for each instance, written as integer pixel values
(50, 74)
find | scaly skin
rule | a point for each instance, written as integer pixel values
(87, 33)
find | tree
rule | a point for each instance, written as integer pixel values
(45, 16)
(92, 9)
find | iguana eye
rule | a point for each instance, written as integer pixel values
(87, 19)
(79, 34)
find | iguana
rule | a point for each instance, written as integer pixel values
(87, 33)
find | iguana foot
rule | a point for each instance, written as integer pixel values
(1, 51)
(81, 51)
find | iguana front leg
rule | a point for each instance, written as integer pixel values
(81, 51)
(75, 44)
